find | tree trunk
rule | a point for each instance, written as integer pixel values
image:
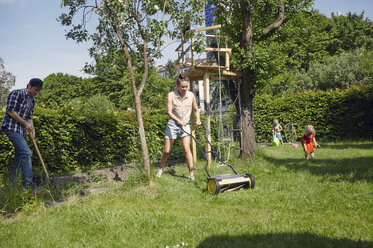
(248, 133)
(137, 100)
(248, 144)
(232, 90)
(144, 146)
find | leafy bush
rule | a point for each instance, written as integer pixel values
(60, 88)
(336, 115)
(71, 140)
(338, 72)
(6, 153)
(63, 89)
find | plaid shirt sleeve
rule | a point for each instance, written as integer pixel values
(30, 113)
(17, 101)
(13, 102)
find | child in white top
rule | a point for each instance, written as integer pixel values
(276, 131)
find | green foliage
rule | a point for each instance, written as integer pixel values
(137, 23)
(70, 141)
(119, 91)
(300, 41)
(6, 152)
(17, 199)
(338, 72)
(366, 62)
(7, 80)
(303, 39)
(171, 70)
(335, 115)
(319, 53)
(73, 139)
(270, 54)
(350, 32)
(59, 89)
(154, 95)
(62, 90)
(76, 138)
(98, 104)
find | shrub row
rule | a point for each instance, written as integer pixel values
(71, 141)
(336, 115)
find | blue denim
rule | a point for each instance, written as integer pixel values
(22, 158)
(276, 135)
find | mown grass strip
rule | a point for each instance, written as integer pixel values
(296, 203)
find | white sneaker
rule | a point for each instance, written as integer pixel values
(192, 178)
(159, 173)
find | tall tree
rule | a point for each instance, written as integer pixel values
(7, 80)
(250, 24)
(338, 72)
(171, 70)
(119, 90)
(133, 26)
(350, 32)
(309, 40)
(302, 40)
(59, 89)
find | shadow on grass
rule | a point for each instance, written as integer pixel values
(349, 169)
(172, 172)
(280, 240)
(350, 145)
(197, 184)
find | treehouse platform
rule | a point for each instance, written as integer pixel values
(198, 68)
(212, 67)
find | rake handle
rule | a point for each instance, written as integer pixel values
(41, 159)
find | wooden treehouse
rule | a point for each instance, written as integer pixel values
(205, 69)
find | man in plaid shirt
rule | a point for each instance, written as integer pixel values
(16, 123)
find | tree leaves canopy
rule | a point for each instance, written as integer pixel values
(7, 80)
(134, 21)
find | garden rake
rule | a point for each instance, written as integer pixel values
(41, 159)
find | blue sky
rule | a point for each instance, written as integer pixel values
(33, 43)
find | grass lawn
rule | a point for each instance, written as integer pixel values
(326, 202)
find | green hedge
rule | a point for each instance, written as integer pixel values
(71, 141)
(336, 115)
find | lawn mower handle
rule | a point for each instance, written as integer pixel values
(213, 151)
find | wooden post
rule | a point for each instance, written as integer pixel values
(226, 55)
(182, 54)
(193, 129)
(191, 50)
(206, 88)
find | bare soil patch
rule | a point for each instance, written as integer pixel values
(115, 173)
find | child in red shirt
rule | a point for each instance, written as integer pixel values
(309, 141)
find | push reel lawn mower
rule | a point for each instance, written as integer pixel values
(223, 182)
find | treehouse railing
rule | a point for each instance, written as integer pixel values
(189, 52)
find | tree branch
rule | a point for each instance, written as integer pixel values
(146, 69)
(124, 46)
(158, 49)
(247, 37)
(279, 20)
